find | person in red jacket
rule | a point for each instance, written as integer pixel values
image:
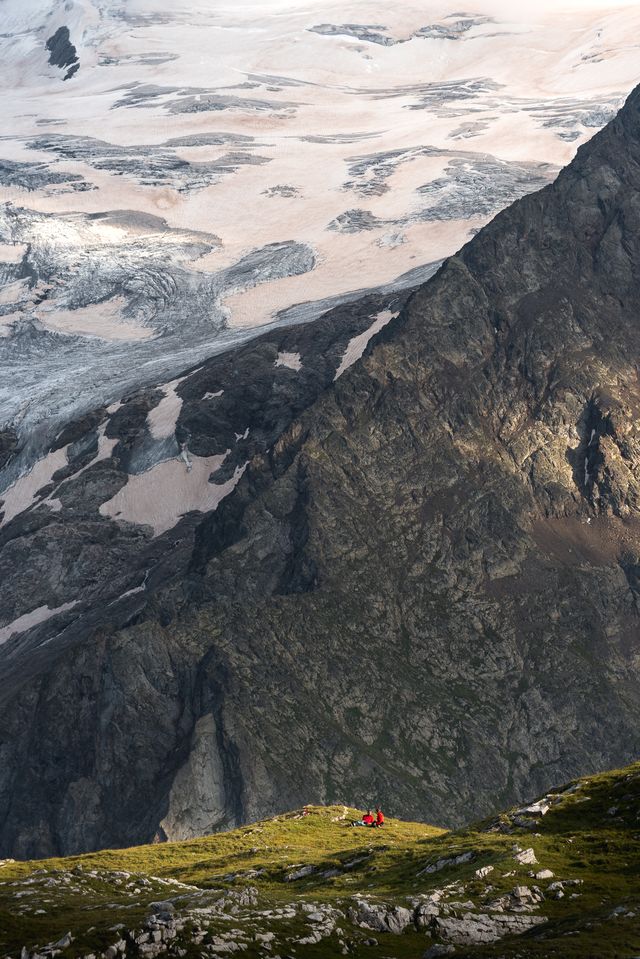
(367, 820)
(379, 817)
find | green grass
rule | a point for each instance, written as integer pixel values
(579, 838)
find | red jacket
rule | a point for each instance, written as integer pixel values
(380, 818)
(368, 819)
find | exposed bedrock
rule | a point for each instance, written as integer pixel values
(423, 588)
(62, 52)
(110, 507)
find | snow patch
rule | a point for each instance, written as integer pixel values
(21, 494)
(27, 620)
(13, 292)
(358, 344)
(162, 495)
(12, 253)
(163, 418)
(106, 446)
(104, 320)
(291, 360)
(132, 592)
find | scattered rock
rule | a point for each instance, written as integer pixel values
(434, 952)
(424, 913)
(526, 857)
(64, 942)
(539, 808)
(451, 861)
(301, 873)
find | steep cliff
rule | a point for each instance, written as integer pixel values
(425, 590)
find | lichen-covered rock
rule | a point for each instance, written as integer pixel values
(474, 928)
(526, 857)
(380, 917)
(450, 861)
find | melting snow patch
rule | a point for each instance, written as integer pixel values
(162, 495)
(106, 446)
(291, 360)
(358, 344)
(132, 592)
(162, 419)
(212, 396)
(21, 494)
(27, 620)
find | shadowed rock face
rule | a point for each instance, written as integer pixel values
(424, 590)
(62, 52)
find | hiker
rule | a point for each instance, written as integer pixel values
(367, 820)
(379, 818)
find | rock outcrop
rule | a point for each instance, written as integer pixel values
(423, 588)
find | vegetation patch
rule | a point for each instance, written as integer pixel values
(558, 877)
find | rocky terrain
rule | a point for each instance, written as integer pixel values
(391, 550)
(421, 577)
(557, 878)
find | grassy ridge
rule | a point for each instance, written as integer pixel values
(590, 833)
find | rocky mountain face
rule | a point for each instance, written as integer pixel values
(423, 586)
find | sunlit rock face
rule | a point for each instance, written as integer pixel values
(176, 176)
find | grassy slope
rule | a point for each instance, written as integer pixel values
(579, 838)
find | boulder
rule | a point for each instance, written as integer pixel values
(424, 913)
(539, 808)
(163, 908)
(526, 857)
(451, 861)
(380, 918)
(474, 928)
(301, 873)
(63, 943)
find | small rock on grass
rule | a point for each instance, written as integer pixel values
(526, 857)
(434, 952)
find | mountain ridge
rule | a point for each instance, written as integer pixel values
(431, 572)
